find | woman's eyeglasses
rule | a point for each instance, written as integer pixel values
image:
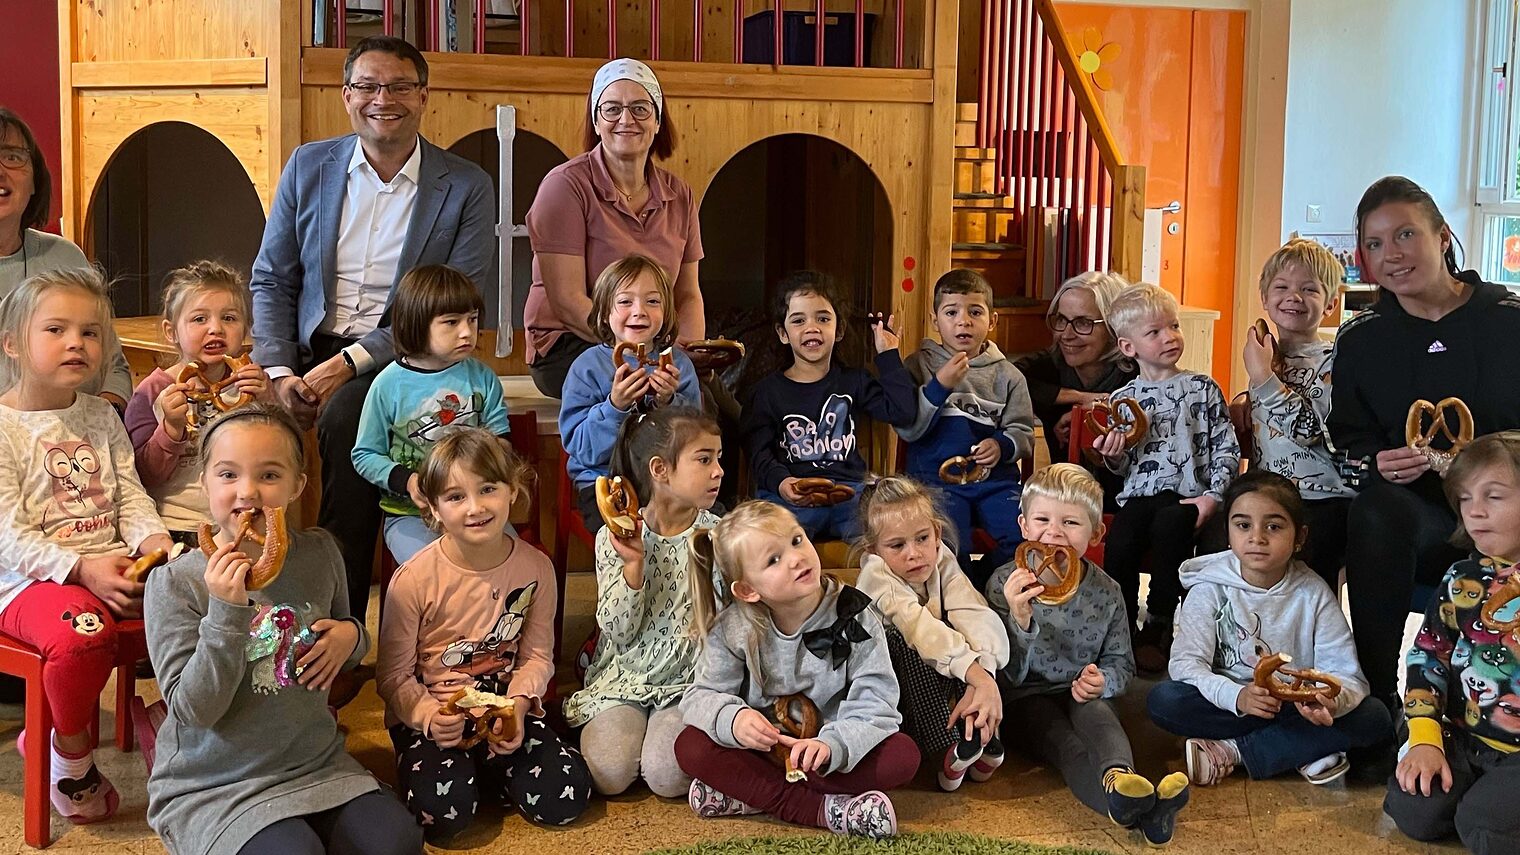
(1081, 326)
(15, 157)
(611, 112)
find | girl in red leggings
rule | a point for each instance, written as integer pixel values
(789, 638)
(71, 511)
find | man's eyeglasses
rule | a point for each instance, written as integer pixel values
(399, 89)
(1082, 326)
(611, 112)
(14, 157)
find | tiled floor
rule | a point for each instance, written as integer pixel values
(1021, 801)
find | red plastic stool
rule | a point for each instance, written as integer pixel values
(19, 659)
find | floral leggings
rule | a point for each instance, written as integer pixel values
(545, 778)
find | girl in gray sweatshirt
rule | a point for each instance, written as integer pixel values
(249, 760)
(789, 646)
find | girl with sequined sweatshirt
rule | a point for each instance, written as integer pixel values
(250, 760)
(789, 638)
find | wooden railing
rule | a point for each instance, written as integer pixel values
(330, 27)
(1052, 147)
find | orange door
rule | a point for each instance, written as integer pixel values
(1174, 102)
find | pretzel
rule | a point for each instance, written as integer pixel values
(1307, 684)
(274, 540)
(193, 370)
(1119, 414)
(807, 728)
(821, 492)
(491, 707)
(1508, 590)
(1419, 437)
(716, 353)
(641, 355)
(619, 505)
(1058, 561)
(1264, 338)
(140, 568)
(961, 469)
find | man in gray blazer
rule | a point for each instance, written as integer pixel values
(352, 215)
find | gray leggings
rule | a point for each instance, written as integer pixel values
(627, 741)
(1081, 740)
(372, 824)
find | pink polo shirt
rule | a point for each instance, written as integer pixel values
(578, 212)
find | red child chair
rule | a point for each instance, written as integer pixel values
(19, 659)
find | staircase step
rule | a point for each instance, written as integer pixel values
(965, 111)
(967, 152)
(982, 225)
(965, 133)
(975, 176)
(983, 202)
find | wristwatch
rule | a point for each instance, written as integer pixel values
(349, 360)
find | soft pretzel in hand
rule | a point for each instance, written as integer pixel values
(1055, 566)
(273, 538)
(139, 569)
(822, 493)
(961, 469)
(715, 354)
(213, 388)
(641, 355)
(483, 709)
(1305, 685)
(1263, 335)
(1421, 438)
(1507, 591)
(619, 504)
(805, 727)
(1123, 415)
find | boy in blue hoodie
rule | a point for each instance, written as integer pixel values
(975, 406)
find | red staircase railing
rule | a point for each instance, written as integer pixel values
(1051, 147)
(330, 29)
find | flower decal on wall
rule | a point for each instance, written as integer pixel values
(1095, 57)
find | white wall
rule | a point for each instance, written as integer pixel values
(1377, 87)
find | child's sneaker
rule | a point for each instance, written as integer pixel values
(79, 793)
(958, 758)
(1130, 796)
(868, 815)
(1326, 769)
(992, 757)
(1160, 824)
(708, 803)
(1210, 761)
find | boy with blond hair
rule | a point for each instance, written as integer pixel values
(1175, 476)
(1289, 401)
(1069, 660)
(973, 404)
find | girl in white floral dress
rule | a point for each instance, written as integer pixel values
(646, 657)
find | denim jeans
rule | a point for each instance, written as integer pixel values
(405, 537)
(1272, 746)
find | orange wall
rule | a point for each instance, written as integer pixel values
(1175, 108)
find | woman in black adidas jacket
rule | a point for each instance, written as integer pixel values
(1434, 332)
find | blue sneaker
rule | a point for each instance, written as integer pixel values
(1160, 824)
(1130, 796)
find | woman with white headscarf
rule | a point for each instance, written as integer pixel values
(598, 207)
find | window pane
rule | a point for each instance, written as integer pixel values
(1501, 250)
(1496, 103)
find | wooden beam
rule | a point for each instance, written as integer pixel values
(324, 67)
(940, 200)
(283, 33)
(1127, 227)
(170, 73)
(73, 211)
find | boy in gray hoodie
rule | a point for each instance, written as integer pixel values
(1242, 606)
(974, 405)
